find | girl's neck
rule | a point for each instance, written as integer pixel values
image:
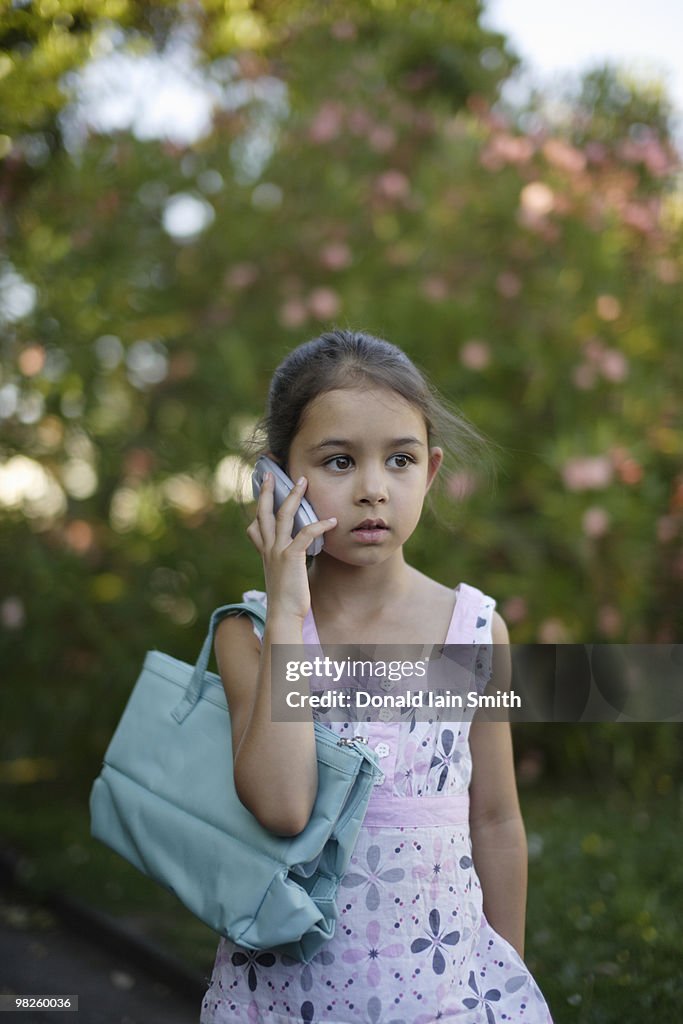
(336, 586)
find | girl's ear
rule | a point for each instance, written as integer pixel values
(435, 460)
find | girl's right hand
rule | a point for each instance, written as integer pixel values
(284, 557)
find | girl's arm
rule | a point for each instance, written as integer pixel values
(499, 846)
(275, 764)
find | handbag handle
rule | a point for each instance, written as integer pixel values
(193, 692)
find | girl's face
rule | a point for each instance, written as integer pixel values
(364, 453)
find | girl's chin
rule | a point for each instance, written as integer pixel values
(359, 554)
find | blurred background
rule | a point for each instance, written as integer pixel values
(190, 190)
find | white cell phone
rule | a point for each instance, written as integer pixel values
(303, 516)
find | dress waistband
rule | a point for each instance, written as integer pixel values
(398, 811)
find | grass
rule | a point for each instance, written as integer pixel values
(605, 887)
(605, 884)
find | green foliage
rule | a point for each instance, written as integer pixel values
(533, 269)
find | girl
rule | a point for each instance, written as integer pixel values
(431, 912)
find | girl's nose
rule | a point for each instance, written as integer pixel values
(372, 489)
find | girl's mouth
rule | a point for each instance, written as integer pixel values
(370, 530)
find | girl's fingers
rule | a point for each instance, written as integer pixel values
(264, 510)
(285, 514)
(255, 536)
(305, 536)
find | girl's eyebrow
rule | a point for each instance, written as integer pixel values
(342, 442)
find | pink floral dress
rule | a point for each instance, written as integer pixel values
(412, 944)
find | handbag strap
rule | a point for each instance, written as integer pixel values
(256, 613)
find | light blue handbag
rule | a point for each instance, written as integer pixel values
(165, 800)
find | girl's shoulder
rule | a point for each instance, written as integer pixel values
(471, 601)
(473, 606)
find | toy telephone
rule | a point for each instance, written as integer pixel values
(303, 516)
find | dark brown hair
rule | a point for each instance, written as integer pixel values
(343, 358)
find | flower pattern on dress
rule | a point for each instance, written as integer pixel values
(492, 995)
(435, 942)
(324, 958)
(376, 1014)
(444, 757)
(251, 959)
(441, 865)
(372, 952)
(373, 879)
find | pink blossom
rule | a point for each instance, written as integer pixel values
(667, 528)
(505, 149)
(609, 620)
(79, 535)
(596, 153)
(382, 138)
(563, 156)
(335, 255)
(642, 218)
(293, 313)
(594, 350)
(630, 151)
(618, 455)
(530, 766)
(595, 521)
(345, 31)
(241, 275)
(613, 365)
(434, 288)
(324, 303)
(31, 360)
(12, 613)
(327, 123)
(461, 485)
(553, 631)
(649, 152)
(630, 471)
(656, 158)
(508, 284)
(667, 271)
(608, 307)
(138, 463)
(515, 609)
(475, 355)
(359, 121)
(393, 184)
(586, 472)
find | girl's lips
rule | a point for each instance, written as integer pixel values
(370, 535)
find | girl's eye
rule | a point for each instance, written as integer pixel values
(334, 462)
(404, 460)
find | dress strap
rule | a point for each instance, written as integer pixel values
(463, 622)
